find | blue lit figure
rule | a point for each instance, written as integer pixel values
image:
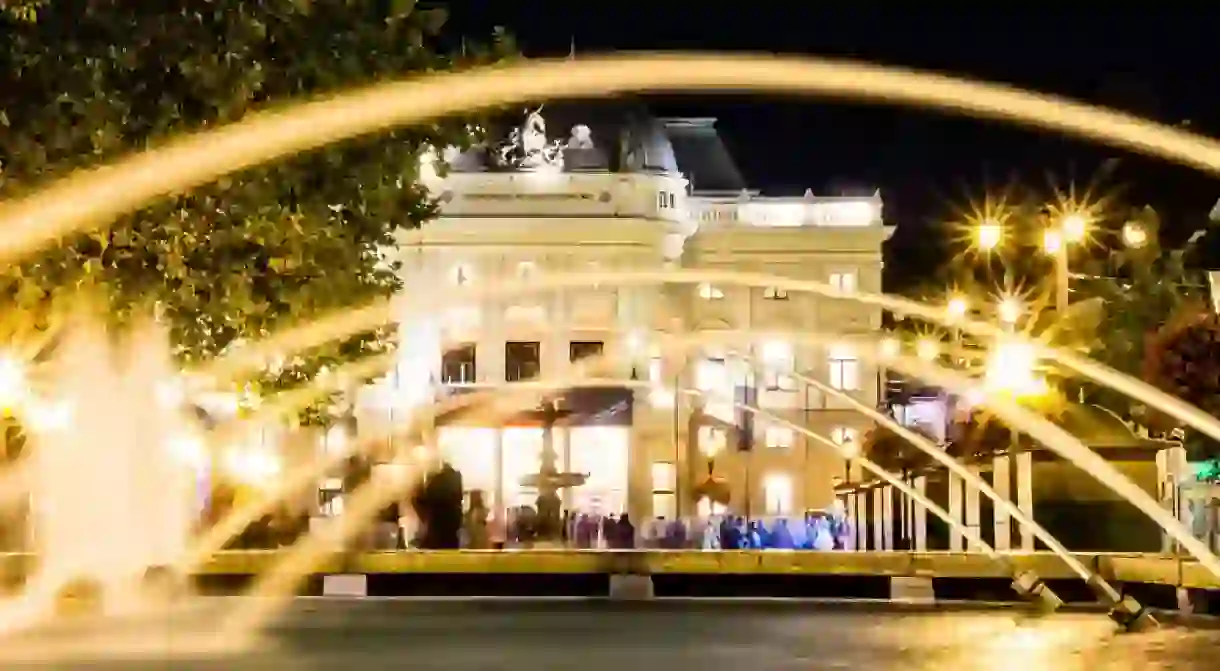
(781, 535)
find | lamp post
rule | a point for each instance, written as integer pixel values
(1012, 370)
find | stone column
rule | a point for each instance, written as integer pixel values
(879, 518)
(861, 520)
(1000, 482)
(556, 342)
(639, 475)
(849, 506)
(920, 516)
(887, 516)
(498, 495)
(955, 510)
(972, 505)
(1025, 495)
(1171, 465)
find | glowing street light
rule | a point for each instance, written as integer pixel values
(889, 347)
(1074, 227)
(1134, 235)
(927, 349)
(1012, 368)
(989, 234)
(1010, 311)
(956, 308)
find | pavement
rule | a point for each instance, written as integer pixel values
(596, 636)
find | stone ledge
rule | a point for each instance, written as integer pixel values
(1123, 568)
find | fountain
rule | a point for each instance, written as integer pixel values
(548, 480)
(101, 457)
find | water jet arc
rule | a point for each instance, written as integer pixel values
(94, 198)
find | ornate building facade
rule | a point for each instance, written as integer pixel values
(614, 189)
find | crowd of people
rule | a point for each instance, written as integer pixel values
(816, 530)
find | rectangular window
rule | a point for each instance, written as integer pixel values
(654, 369)
(775, 294)
(778, 490)
(844, 281)
(712, 375)
(711, 440)
(522, 360)
(780, 437)
(780, 361)
(844, 369)
(709, 292)
(665, 505)
(583, 349)
(664, 477)
(458, 365)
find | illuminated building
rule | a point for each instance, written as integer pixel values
(612, 189)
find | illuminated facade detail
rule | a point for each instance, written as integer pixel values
(621, 190)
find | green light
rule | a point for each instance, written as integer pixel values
(1206, 471)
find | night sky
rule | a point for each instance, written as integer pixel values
(1156, 64)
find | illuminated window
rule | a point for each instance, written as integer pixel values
(711, 440)
(780, 437)
(332, 506)
(712, 375)
(775, 294)
(707, 507)
(665, 505)
(654, 369)
(844, 281)
(779, 361)
(521, 456)
(664, 477)
(709, 292)
(332, 485)
(604, 453)
(472, 451)
(777, 488)
(844, 368)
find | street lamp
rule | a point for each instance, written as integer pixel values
(1054, 242)
(890, 347)
(927, 349)
(1011, 368)
(1010, 311)
(956, 308)
(989, 234)
(1074, 227)
(1134, 235)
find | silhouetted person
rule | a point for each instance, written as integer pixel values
(624, 532)
(439, 508)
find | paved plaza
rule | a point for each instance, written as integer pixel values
(540, 636)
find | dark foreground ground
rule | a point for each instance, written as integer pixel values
(596, 636)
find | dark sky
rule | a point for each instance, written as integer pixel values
(1156, 64)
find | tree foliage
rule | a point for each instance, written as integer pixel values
(893, 452)
(84, 82)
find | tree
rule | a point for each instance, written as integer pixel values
(1183, 359)
(895, 453)
(83, 82)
